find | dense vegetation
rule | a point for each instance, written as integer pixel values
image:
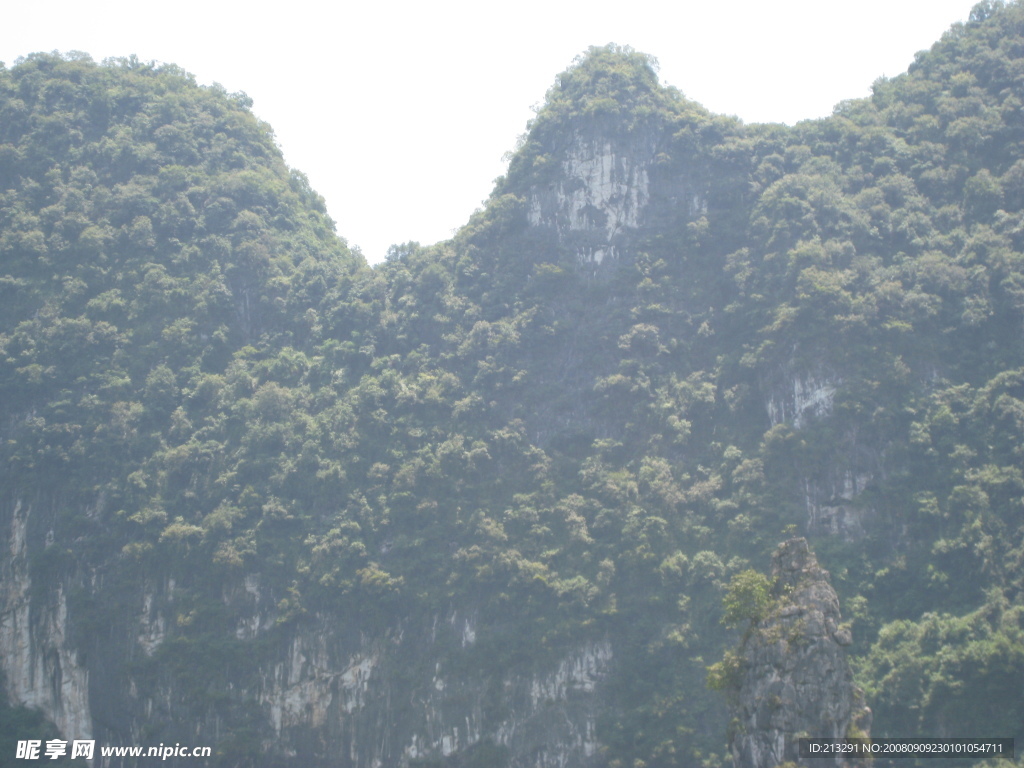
(199, 380)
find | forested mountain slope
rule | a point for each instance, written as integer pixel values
(480, 505)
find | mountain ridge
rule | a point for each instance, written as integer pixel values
(247, 477)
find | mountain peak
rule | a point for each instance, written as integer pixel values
(606, 133)
(609, 79)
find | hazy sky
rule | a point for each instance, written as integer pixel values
(400, 112)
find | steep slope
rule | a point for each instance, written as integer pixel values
(790, 675)
(154, 247)
(479, 506)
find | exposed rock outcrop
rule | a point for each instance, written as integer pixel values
(36, 656)
(802, 398)
(832, 492)
(795, 678)
(613, 187)
(413, 693)
(600, 194)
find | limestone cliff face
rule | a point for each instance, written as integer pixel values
(408, 696)
(796, 680)
(600, 195)
(602, 187)
(316, 692)
(39, 660)
(831, 493)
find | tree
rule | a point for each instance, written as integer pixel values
(747, 598)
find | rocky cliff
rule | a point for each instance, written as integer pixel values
(480, 505)
(415, 691)
(795, 677)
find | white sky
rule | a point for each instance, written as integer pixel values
(400, 113)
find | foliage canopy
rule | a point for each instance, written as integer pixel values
(200, 382)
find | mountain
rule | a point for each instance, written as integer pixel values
(495, 501)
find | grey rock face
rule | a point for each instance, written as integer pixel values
(316, 693)
(796, 680)
(610, 190)
(40, 665)
(599, 196)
